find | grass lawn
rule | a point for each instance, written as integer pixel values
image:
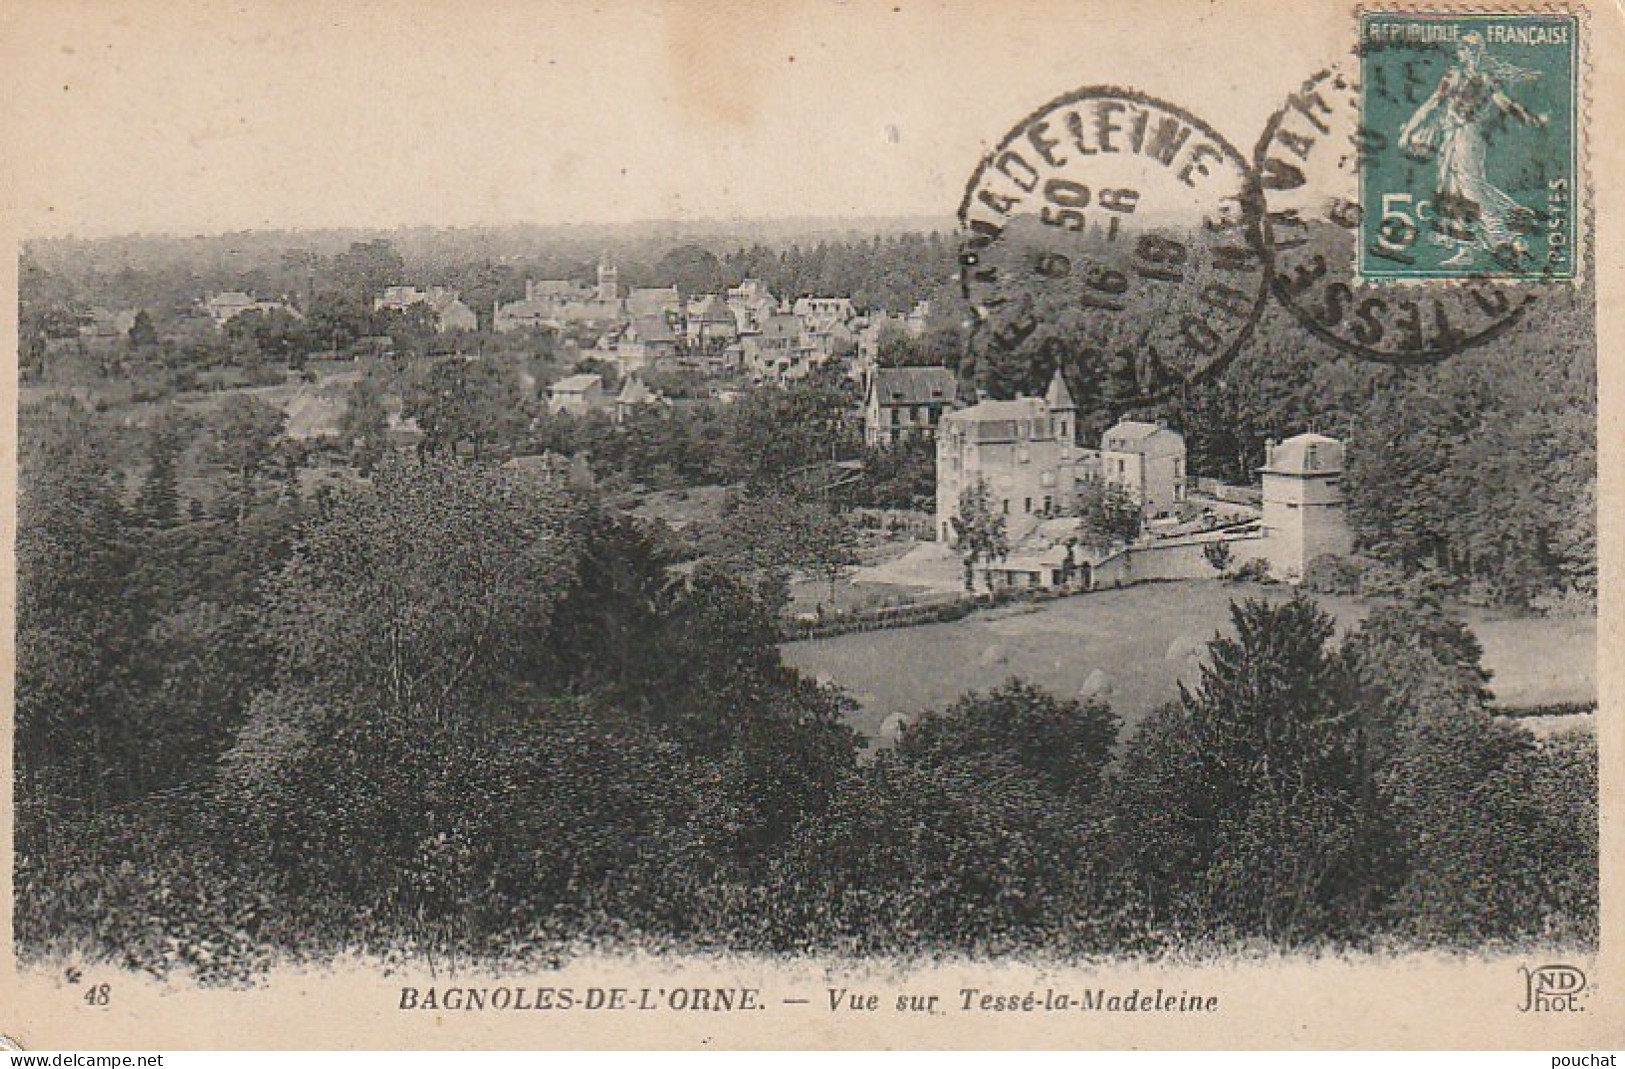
(1133, 645)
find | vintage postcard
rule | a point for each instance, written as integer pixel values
(879, 524)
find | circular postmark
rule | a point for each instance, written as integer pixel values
(1310, 162)
(1116, 236)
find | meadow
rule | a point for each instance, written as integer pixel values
(1134, 645)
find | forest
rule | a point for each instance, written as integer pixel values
(279, 700)
(465, 711)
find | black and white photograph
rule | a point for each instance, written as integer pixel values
(937, 524)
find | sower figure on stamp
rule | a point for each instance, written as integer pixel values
(1473, 212)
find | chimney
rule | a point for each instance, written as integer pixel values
(1269, 452)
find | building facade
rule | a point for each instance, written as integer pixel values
(907, 402)
(1148, 461)
(577, 395)
(1023, 451)
(1303, 516)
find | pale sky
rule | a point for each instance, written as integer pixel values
(185, 117)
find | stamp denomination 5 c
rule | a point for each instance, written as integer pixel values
(1469, 166)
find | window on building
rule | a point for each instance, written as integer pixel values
(1006, 506)
(1028, 507)
(1048, 503)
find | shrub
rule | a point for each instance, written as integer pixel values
(1218, 555)
(1256, 570)
(1331, 574)
(979, 830)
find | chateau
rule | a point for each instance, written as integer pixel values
(1026, 454)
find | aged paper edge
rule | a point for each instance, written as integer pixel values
(1276, 1002)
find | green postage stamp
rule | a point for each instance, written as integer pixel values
(1469, 156)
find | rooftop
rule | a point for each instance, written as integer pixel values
(1304, 454)
(914, 385)
(636, 393)
(1059, 398)
(993, 411)
(653, 328)
(1133, 430)
(576, 384)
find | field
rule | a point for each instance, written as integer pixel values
(1133, 645)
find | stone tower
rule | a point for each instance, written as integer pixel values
(1303, 503)
(609, 284)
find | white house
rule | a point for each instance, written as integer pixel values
(577, 394)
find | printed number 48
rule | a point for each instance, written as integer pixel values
(99, 995)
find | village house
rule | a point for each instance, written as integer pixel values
(778, 355)
(551, 303)
(400, 298)
(660, 301)
(1025, 452)
(222, 308)
(577, 395)
(453, 314)
(709, 326)
(644, 341)
(906, 402)
(1145, 459)
(445, 305)
(823, 344)
(822, 313)
(528, 314)
(751, 304)
(917, 319)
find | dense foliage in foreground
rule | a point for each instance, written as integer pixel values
(465, 709)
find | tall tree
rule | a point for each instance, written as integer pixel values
(474, 401)
(980, 529)
(365, 423)
(142, 333)
(1241, 807)
(79, 624)
(243, 438)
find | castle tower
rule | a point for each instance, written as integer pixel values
(609, 285)
(1303, 503)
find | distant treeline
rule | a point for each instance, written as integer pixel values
(892, 269)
